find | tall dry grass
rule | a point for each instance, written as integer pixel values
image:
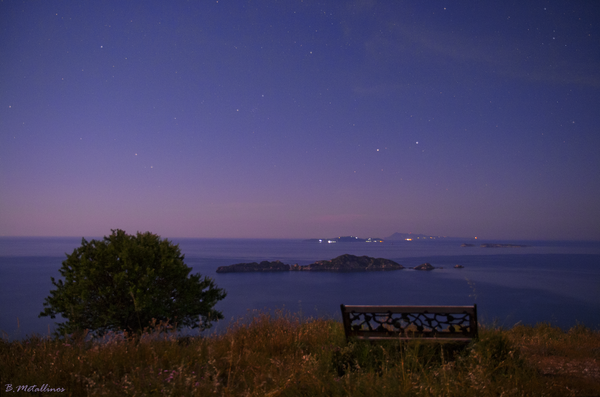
(282, 354)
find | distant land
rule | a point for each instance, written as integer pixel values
(411, 236)
(393, 237)
(406, 237)
(495, 245)
(345, 239)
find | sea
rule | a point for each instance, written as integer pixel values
(556, 282)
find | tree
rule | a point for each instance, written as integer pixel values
(123, 282)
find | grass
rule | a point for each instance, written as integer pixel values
(281, 354)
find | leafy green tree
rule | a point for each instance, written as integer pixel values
(123, 282)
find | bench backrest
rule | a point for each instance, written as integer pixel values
(456, 323)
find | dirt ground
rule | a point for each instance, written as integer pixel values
(576, 370)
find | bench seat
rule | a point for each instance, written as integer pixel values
(442, 323)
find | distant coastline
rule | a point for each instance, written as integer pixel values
(397, 237)
(344, 239)
(393, 237)
(496, 245)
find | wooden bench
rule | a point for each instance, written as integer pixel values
(447, 323)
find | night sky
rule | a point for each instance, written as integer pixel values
(300, 119)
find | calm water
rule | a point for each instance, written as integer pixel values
(557, 282)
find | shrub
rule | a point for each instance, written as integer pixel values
(124, 282)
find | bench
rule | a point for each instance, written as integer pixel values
(441, 323)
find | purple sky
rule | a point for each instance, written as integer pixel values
(300, 119)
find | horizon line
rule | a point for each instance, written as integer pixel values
(310, 238)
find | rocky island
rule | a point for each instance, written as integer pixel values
(350, 263)
(424, 266)
(264, 266)
(343, 263)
